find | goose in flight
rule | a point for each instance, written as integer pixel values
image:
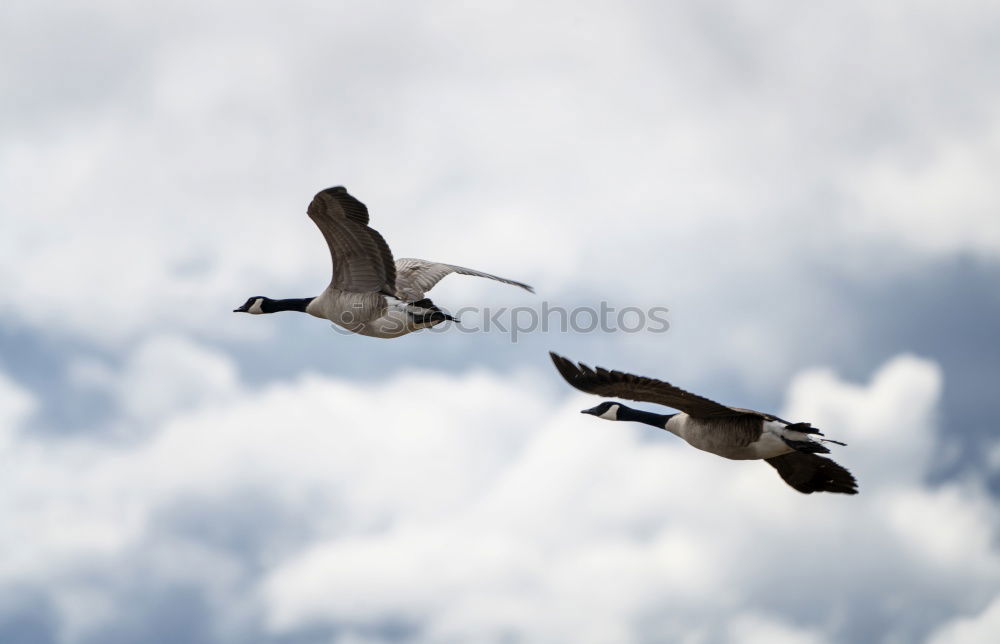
(370, 293)
(729, 432)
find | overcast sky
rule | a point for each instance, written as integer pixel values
(811, 192)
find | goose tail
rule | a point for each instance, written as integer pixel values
(803, 428)
(806, 446)
(426, 312)
(802, 439)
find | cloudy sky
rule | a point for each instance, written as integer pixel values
(810, 191)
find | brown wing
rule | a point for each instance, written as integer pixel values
(810, 473)
(625, 385)
(761, 414)
(362, 261)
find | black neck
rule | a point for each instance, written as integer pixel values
(294, 304)
(639, 416)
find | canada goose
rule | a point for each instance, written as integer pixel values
(729, 432)
(369, 293)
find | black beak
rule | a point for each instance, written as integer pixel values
(242, 309)
(592, 411)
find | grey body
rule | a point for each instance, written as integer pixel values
(369, 292)
(362, 313)
(730, 432)
(737, 438)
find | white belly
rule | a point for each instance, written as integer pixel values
(393, 324)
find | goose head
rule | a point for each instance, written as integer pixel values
(254, 305)
(606, 410)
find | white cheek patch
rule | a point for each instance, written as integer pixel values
(611, 413)
(255, 307)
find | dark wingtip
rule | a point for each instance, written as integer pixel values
(838, 483)
(810, 473)
(841, 488)
(567, 369)
(559, 361)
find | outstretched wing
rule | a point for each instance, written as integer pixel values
(617, 384)
(414, 277)
(810, 473)
(362, 261)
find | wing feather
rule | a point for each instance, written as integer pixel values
(810, 473)
(362, 261)
(414, 277)
(618, 384)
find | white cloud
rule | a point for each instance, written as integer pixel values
(759, 629)
(592, 531)
(162, 376)
(971, 630)
(16, 405)
(470, 505)
(897, 409)
(944, 201)
(183, 184)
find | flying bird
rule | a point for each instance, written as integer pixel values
(369, 293)
(730, 432)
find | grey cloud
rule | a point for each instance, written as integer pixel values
(27, 616)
